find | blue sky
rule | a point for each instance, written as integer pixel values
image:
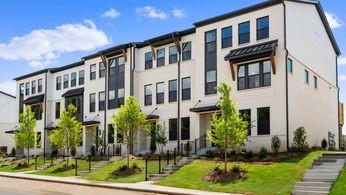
(37, 33)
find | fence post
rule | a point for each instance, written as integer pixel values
(174, 157)
(146, 169)
(195, 146)
(35, 163)
(167, 157)
(159, 163)
(75, 172)
(188, 148)
(89, 159)
(113, 150)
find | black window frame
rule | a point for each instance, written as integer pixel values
(148, 99)
(224, 39)
(160, 96)
(92, 104)
(27, 88)
(259, 30)
(173, 127)
(247, 33)
(102, 104)
(172, 93)
(148, 63)
(210, 63)
(173, 57)
(73, 79)
(185, 92)
(39, 85)
(58, 81)
(185, 128)
(57, 110)
(186, 51)
(33, 87)
(102, 70)
(245, 114)
(160, 61)
(66, 81)
(263, 126)
(81, 77)
(92, 73)
(261, 75)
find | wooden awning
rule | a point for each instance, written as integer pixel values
(34, 99)
(73, 92)
(207, 108)
(152, 117)
(91, 122)
(252, 52)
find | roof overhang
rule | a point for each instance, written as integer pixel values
(73, 92)
(34, 100)
(152, 117)
(90, 123)
(205, 109)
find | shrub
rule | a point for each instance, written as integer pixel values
(217, 169)
(13, 152)
(237, 169)
(73, 151)
(276, 143)
(299, 140)
(324, 144)
(135, 166)
(263, 152)
(209, 153)
(248, 154)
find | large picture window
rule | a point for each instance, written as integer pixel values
(263, 28)
(254, 75)
(244, 33)
(160, 57)
(172, 88)
(160, 93)
(263, 121)
(147, 95)
(172, 129)
(148, 60)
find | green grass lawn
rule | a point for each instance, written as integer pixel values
(55, 170)
(105, 174)
(13, 167)
(277, 178)
(339, 187)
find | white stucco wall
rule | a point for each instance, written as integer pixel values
(8, 120)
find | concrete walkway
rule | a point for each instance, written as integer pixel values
(140, 187)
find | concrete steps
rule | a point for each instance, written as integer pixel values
(319, 179)
(99, 165)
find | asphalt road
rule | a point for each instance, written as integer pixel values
(11, 186)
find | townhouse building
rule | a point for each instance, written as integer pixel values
(7, 121)
(280, 57)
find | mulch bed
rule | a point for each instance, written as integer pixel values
(124, 171)
(222, 177)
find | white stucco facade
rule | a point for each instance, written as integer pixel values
(8, 121)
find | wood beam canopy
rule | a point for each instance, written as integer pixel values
(232, 70)
(177, 43)
(104, 60)
(124, 51)
(273, 63)
(153, 53)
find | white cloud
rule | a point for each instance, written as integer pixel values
(342, 78)
(8, 87)
(333, 20)
(178, 13)
(111, 13)
(342, 60)
(151, 12)
(40, 47)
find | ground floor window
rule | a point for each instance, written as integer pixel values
(110, 134)
(173, 129)
(185, 128)
(263, 121)
(246, 116)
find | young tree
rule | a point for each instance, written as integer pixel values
(128, 120)
(230, 130)
(25, 137)
(161, 137)
(153, 142)
(69, 132)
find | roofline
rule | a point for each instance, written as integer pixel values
(73, 65)
(31, 74)
(7, 94)
(108, 50)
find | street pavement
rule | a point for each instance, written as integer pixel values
(12, 186)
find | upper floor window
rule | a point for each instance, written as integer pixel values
(186, 51)
(148, 95)
(289, 65)
(172, 88)
(73, 79)
(39, 87)
(160, 93)
(173, 54)
(121, 96)
(254, 75)
(93, 72)
(57, 110)
(226, 34)
(244, 33)
(263, 121)
(121, 68)
(148, 60)
(58, 83)
(27, 88)
(263, 28)
(81, 76)
(160, 57)
(186, 88)
(210, 82)
(66, 77)
(210, 63)
(306, 76)
(33, 87)
(102, 70)
(92, 102)
(112, 69)
(210, 41)
(102, 100)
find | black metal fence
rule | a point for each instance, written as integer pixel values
(155, 164)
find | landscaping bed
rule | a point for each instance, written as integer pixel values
(20, 165)
(260, 178)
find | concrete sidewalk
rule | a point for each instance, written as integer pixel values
(140, 187)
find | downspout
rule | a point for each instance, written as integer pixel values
(132, 59)
(286, 77)
(106, 108)
(178, 100)
(45, 118)
(338, 103)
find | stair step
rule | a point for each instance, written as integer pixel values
(322, 171)
(316, 179)
(324, 175)
(158, 175)
(317, 184)
(304, 192)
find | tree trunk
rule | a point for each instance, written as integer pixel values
(225, 161)
(127, 155)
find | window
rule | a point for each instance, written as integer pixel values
(93, 72)
(246, 116)
(81, 77)
(38, 139)
(121, 69)
(66, 77)
(39, 88)
(172, 88)
(185, 128)
(102, 70)
(27, 88)
(33, 87)
(160, 93)
(110, 134)
(121, 96)
(254, 75)
(111, 99)
(160, 57)
(289, 65)
(315, 82)
(73, 79)
(226, 34)
(263, 28)
(112, 67)
(263, 121)
(37, 110)
(102, 99)
(186, 51)
(306, 77)
(186, 88)
(244, 33)
(57, 110)
(21, 98)
(172, 129)
(210, 62)
(148, 60)
(92, 103)
(173, 55)
(148, 95)
(58, 83)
